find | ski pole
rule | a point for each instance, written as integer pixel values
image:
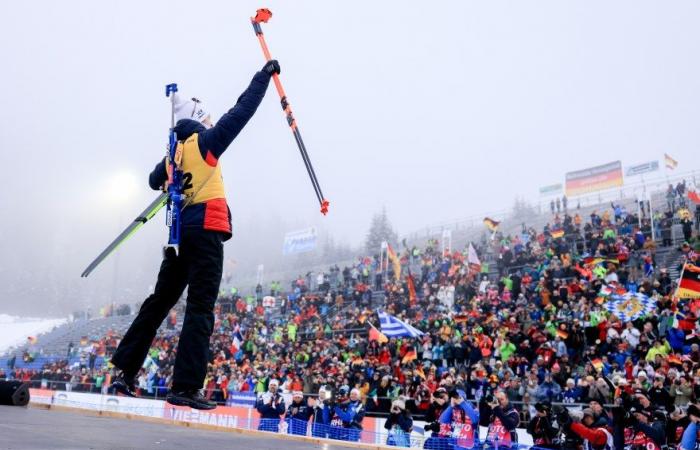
(262, 16)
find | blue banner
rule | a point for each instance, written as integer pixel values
(299, 241)
(241, 399)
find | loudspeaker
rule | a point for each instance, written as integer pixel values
(14, 393)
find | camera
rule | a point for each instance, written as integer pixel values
(489, 399)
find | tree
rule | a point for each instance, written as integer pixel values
(380, 230)
(523, 212)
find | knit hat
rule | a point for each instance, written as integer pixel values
(399, 403)
(693, 410)
(189, 109)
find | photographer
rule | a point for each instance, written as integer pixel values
(681, 391)
(659, 395)
(501, 418)
(270, 405)
(690, 440)
(399, 424)
(594, 438)
(644, 433)
(677, 423)
(298, 414)
(459, 423)
(437, 406)
(346, 416)
(543, 433)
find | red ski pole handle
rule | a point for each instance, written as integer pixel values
(262, 16)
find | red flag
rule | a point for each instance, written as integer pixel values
(675, 359)
(694, 196)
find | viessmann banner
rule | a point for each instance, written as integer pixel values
(594, 179)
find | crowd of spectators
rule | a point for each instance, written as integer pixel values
(526, 330)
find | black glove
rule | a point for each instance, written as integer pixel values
(434, 426)
(272, 67)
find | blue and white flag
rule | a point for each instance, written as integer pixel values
(393, 327)
(630, 306)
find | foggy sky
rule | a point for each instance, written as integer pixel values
(435, 110)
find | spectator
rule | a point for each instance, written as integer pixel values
(400, 424)
(298, 414)
(270, 405)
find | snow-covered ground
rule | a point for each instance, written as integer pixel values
(16, 330)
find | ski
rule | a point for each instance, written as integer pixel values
(138, 222)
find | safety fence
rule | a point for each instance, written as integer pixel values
(371, 430)
(247, 398)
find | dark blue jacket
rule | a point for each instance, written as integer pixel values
(272, 410)
(212, 144)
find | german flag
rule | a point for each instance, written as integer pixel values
(491, 224)
(670, 162)
(412, 297)
(556, 234)
(394, 261)
(376, 335)
(461, 318)
(689, 286)
(410, 355)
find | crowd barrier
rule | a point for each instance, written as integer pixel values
(247, 418)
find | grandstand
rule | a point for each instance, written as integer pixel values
(541, 330)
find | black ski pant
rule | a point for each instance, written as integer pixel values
(199, 264)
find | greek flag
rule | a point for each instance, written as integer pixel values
(393, 327)
(630, 306)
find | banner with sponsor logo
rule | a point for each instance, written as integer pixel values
(227, 417)
(300, 241)
(639, 169)
(241, 399)
(594, 179)
(97, 402)
(551, 189)
(221, 416)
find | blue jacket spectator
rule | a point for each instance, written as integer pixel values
(298, 415)
(270, 405)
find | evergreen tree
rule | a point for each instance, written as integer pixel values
(523, 212)
(380, 230)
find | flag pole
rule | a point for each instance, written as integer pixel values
(678, 284)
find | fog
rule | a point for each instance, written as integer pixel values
(433, 110)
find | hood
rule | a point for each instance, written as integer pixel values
(186, 128)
